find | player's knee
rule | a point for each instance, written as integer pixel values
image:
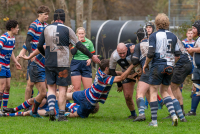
(128, 97)
(7, 88)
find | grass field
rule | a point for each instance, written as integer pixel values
(111, 118)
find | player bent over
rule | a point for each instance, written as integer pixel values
(99, 90)
(122, 56)
(163, 49)
(7, 44)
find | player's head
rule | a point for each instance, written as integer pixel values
(96, 109)
(196, 28)
(104, 65)
(43, 13)
(150, 28)
(122, 50)
(141, 34)
(162, 21)
(12, 25)
(189, 34)
(80, 32)
(59, 16)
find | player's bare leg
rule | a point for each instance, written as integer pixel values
(128, 94)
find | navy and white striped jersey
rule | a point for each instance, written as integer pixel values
(165, 45)
(57, 37)
(196, 56)
(116, 59)
(184, 57)
(140, 51)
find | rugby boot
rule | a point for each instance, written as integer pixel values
(140, 118)
(52, 115)
(8, 110)
(183, 120)
(35, 115)
(175, 121)
(132, 117)
(62, 118)
(190, 113)
(153, 124)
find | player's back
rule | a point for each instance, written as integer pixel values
(165, 44)
(57, 45)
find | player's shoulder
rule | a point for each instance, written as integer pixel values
(114, 55)
(198, 40)
(87, 40)
(4, 36)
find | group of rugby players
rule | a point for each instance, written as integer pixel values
(159, 61)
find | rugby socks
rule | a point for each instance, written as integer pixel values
(169, 104)
(159, 99)
(35, 107)
(24, 105)
(5, 99)
(178, 109)
(133, 113)
(182, 107)
(14, 114)
(195, 102)
(154, 110)
(1, 97)
(146, 102)
(140, 104)
(61, 112)
(32, 94)
(51, 102)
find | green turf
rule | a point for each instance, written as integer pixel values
(111, 118)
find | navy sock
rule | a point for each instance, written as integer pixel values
(154, 110)
(169, 104)
(182, 107)
(133, 113)
(51, 102)
(195, 102)
(178, 109)
(61, 112)
(140, 104)
(35, 107)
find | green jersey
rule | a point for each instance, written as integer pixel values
(89, 45)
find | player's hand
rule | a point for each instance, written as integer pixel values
(70, 89)
(132, 76)
(0, 67)
(194, 89)
(18, 58)
(88, 62)
(95, 59)
(25, 57)
(32, 59)
(145, 66)
(18, 66)
(190, 49)
(119, 89)
(132, 48)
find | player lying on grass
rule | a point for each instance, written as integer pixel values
(99, 90)
(43, 108)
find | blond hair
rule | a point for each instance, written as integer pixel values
(80, 28)
(162, 21)
(189, 29)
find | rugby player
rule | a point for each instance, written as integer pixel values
(99, 90)
(58, 38)
(36, 67)
(164, 53)
(195, 52)
(7, 44)
(122, 56)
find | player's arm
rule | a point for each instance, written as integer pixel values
(71, 115)
(151, 51)
(18, 66)
(21, 53)
(73, 50)
(124, 75)
(41, 43)
(29, 37)
(74, 41)
(119, 73)
(33, 54)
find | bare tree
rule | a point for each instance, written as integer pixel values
(79, 13)
(89, 16)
